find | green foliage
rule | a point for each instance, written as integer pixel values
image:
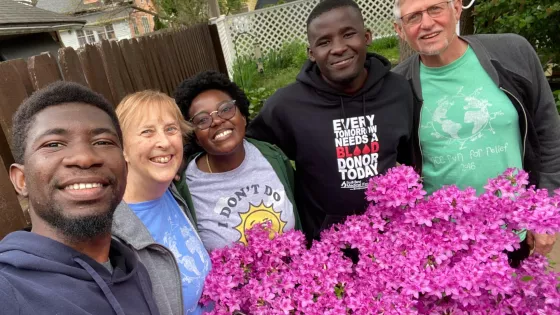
(387, 47)
(257, 97)
(532, 19)
(174, 13)
(230, 6)
(245, 72)
(557, 97)
(292, 54)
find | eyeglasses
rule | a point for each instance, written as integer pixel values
(434, 11)
(204, 120)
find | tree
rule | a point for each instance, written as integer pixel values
(532, 19)
(230, 6)
(174, 13)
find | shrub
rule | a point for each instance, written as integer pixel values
(532, 19)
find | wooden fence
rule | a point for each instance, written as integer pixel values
(113, 68)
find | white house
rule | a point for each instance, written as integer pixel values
(106, 19)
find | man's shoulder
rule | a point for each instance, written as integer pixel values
(403, 67)
(500, 46)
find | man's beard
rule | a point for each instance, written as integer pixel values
(80, 228)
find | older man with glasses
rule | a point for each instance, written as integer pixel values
(483, 105)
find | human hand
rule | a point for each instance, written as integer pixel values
(541, 243)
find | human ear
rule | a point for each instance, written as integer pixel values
(17, 176)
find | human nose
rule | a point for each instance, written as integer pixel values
(427, 21)
(339, 47)
(162, 140)
(83, 156)
(216, 119)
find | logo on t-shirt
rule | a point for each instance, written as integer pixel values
(259, 214)
(357, 148)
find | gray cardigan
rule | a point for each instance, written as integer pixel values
(158, 260)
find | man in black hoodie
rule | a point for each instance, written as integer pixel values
(67, 144)
(346, 118)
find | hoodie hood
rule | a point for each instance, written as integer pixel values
(376, 65)
(33, 253)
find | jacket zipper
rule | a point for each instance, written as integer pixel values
(418, 134)
(525, 117)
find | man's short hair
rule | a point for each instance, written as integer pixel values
(329, 5)
(54, 94)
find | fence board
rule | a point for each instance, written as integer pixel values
(186, 49)
(12, 94)
(150, 64)
(142, 64)
(11, 215)
(132, 65)
(112, 71)
(165, 69)
(43, 70)
(21, 67)
(176, 78)
(180, 54)
(122, 67)
(94, 71)
(71, 66)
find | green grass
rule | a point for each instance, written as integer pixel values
(387, 47)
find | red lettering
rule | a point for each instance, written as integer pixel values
(374, 147)
(340, 152)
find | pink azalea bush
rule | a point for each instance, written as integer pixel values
(444, 254)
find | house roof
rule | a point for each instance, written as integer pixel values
(76, 6)
(20, 18)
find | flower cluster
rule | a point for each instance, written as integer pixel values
(408, 254)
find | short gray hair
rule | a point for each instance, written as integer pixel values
(397, 10)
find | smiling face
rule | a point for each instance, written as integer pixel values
(153, 147)
(74, 173)
(433, 35)
(223, 137)
(338, 45)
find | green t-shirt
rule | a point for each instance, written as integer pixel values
(469, 129)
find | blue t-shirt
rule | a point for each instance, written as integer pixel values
(169, 226)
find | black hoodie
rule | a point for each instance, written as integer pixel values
(338, 141)
(41, 276)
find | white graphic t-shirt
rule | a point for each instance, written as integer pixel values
(227, 204)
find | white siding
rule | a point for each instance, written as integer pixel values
(70, 38)
(122, 30)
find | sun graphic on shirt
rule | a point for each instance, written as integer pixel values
(259, 214)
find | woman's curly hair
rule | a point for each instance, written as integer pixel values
(189, 89)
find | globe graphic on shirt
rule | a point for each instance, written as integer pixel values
(466, 127)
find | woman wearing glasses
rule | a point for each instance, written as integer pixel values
(153, 218)
(231, 182)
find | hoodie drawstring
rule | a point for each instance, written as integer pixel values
(342, 107)
(102, 285)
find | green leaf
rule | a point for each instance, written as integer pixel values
(527, 278)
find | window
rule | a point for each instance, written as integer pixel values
(101, 35)
(90, 37)
(145, 24)
(110, 31)
(81, 38)
(136, 31)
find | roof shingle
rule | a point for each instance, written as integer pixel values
(16, 14)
